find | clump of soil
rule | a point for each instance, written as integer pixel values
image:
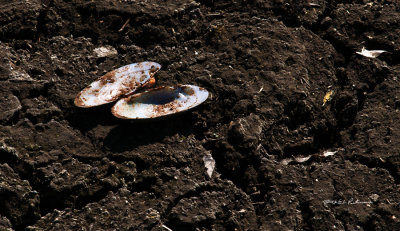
(285, 159)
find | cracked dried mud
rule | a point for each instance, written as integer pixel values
(285, 160)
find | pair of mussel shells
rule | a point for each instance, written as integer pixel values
(132, 86)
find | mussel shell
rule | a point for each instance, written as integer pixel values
(116, 83)
(159, 102)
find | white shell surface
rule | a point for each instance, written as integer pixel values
(160, 102)
(116, 83)
(370, 53)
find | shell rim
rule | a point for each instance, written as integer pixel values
(155, 89)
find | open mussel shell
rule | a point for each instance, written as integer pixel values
(116, 83)
(159, 102)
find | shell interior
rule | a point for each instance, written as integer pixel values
(159, 102)
(116, 83)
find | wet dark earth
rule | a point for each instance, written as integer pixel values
(303, 130)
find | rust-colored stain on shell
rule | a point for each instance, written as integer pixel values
(108, 78)
(142, 77)
(133, 85)
(188, 90)
(163, 109)
(78, 100)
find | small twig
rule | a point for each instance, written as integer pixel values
(165, 227)
(213, 14)
(123, 26)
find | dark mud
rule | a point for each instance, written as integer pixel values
(285, 160)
